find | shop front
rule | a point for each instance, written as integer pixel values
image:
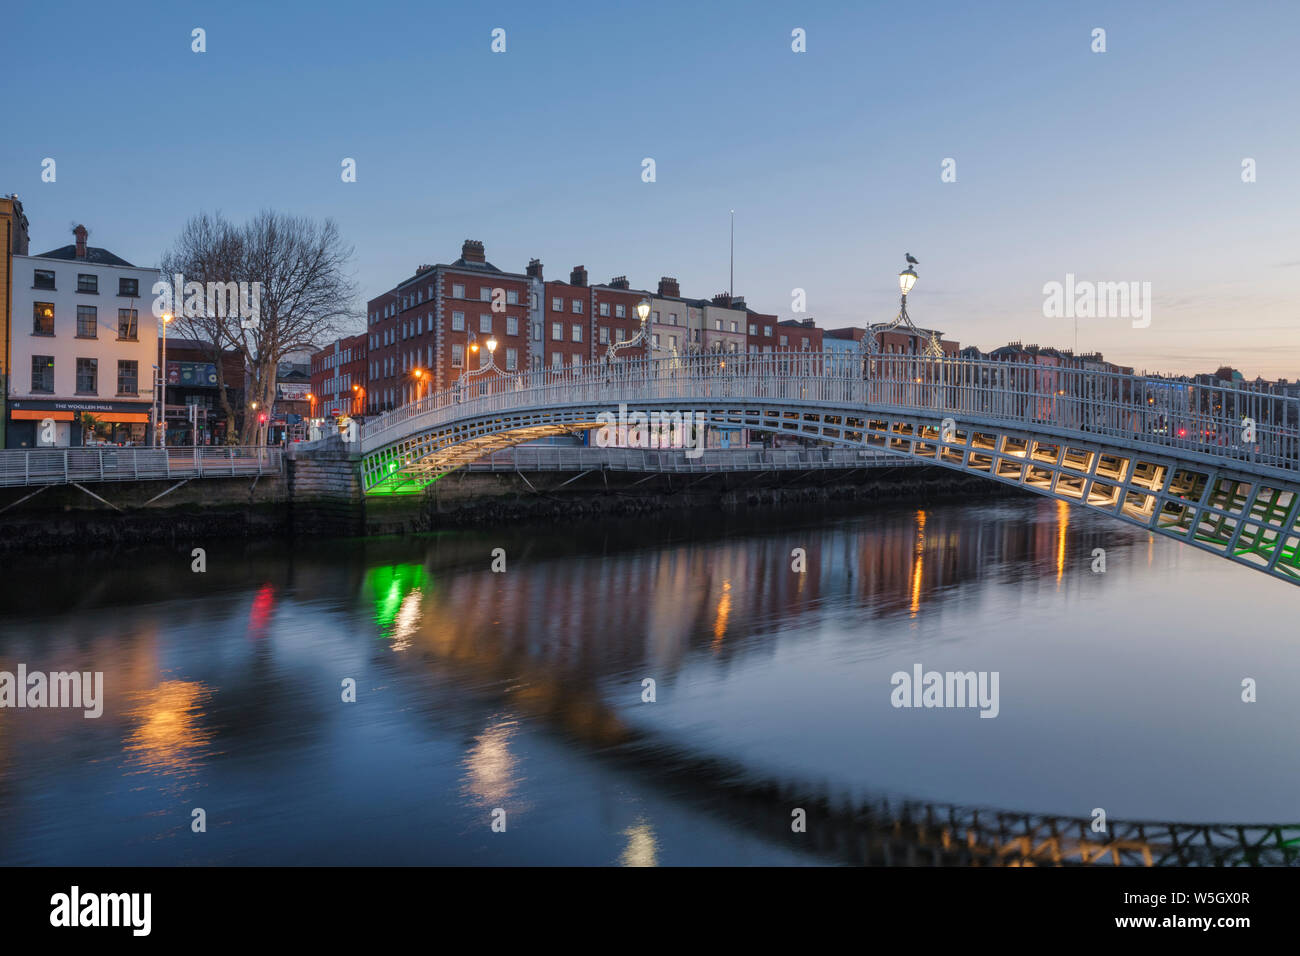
(64, 423)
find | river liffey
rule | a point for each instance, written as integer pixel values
(505, 717)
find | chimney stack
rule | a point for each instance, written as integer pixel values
(472, 251)
(722, 298)
(81, 234)
(535, 268)
(668, 287)
(808, 323)
(619, 282)
(578, 276)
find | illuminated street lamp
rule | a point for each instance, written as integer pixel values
(906, 279)
(643, 313)
(161, 430)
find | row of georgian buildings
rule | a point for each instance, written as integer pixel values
(82, 350)
(434, 326)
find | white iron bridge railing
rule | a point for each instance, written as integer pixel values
(64, 466)
(675, 461)
(1249, 424)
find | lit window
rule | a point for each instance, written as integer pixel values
(42, 318)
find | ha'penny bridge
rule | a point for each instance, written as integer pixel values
(1213, 467)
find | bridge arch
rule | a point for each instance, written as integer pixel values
(1100, 441)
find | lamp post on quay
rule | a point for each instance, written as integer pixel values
(161, 430)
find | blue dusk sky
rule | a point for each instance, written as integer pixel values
(1117, 166)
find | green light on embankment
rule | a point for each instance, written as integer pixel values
(399, 487)
(388, 588)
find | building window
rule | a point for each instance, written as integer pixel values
(512, 297)
(484, 293)
(604, 308)
(43, 279)
(458, 321)
(717, 325)
(87, 376)
(767, 330)
(620, 312)
(783, 341)
(672, 342)
(577, 361)
(457, 355)
(672, 318)
(577, 333)
(654, 316)
(557, 360)
(42, 318)
(485, 324)
(604, 336)
(512, 359)
(753, 329)
(88, 283)
(733, 326)
(618, 335)
(557, 304)
(655, 338)
(128, 377)
(512, 325)
(128, 288)
(557, 332)
(577, 307)
(87, 322)
(127, 324)
(458, 291)
(43, 374)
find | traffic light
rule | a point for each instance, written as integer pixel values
(261, 418)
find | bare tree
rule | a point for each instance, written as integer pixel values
(306, 296)
(209, 249)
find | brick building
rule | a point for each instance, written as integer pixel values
(439, 321)
(340, 377)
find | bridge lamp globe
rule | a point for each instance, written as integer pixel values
(643, 309)
(906, 279)
(492, 345)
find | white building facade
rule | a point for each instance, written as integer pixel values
(84, 349)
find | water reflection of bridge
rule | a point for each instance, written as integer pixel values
(485, 631)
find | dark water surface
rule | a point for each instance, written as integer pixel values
(480, 690)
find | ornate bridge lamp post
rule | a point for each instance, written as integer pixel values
(467, 374)
(642, 335)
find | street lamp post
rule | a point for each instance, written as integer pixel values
(161, 429)
(467, 373)
(642, 334)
